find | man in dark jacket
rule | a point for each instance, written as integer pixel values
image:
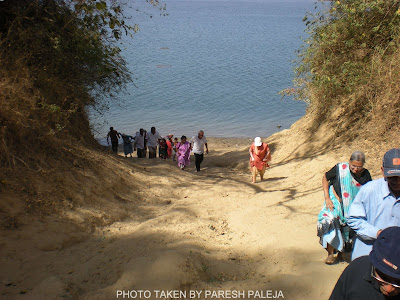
(376, 276)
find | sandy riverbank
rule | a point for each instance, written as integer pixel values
(168, 229)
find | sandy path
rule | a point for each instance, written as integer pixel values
(212, 230)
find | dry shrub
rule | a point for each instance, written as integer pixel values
(33, 149)
(371, 114)
(349, 69)
(385, 102)
(56, 59)
(27, 129)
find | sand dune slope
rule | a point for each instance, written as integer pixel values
(182, 230)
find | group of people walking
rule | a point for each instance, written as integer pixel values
(359, 215)
(168, 147)
(362, 216)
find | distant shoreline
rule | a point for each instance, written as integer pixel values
(225, 141)
(214, 142)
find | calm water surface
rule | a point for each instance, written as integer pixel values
(211, 65)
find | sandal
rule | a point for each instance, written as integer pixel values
(330, 260)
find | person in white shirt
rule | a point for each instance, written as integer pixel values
(140, 143)
(197, 144)
(153, 138)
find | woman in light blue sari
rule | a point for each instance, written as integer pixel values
(340, 185)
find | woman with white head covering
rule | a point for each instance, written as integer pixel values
(259, 158)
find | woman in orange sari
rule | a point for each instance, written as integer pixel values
(259, 158)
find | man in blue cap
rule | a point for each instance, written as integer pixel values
(376, 276)
(377, 205)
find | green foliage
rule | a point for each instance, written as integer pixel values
(346, 37)
(57, 58)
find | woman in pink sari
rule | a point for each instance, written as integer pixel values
(183, 153)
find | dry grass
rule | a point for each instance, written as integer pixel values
(370, 116)
(38, 145)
